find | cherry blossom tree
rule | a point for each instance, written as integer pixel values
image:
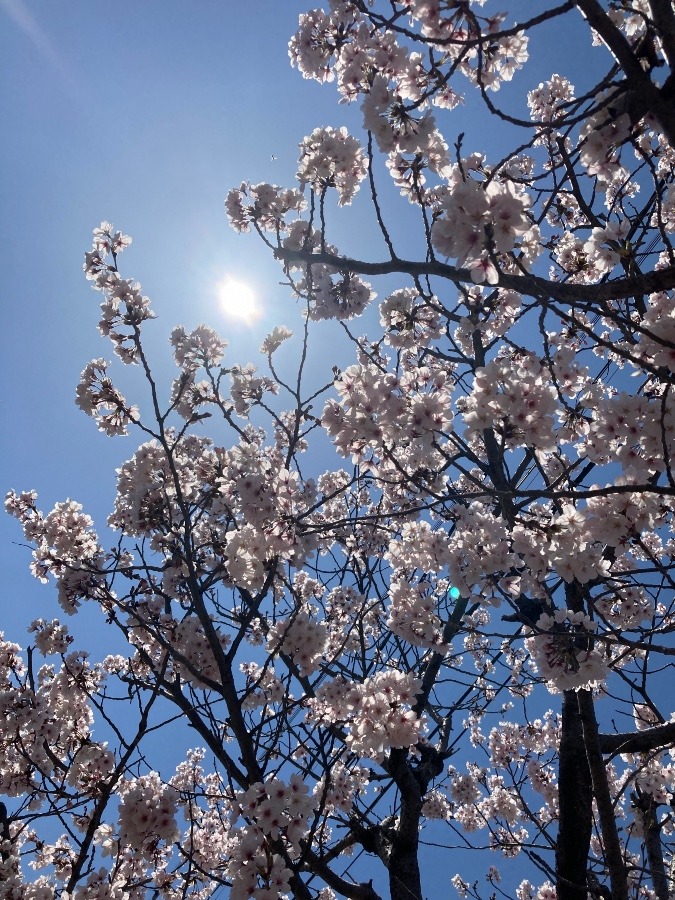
(455, 629)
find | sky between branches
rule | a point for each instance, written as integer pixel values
(145, 114)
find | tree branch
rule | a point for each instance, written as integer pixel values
(664, 19)
(647, 96)
(610, 835)
(638, 741)
(333, 880)
(645, 807)
(576, 805)
(528, 285)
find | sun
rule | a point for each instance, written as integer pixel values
(238, 300)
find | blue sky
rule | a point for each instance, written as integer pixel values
(145, 114)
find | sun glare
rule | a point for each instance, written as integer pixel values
(238, 300)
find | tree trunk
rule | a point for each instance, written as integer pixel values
(403, 862)
(576, 805)
(404, 872)
(646, 808)
(614, 856)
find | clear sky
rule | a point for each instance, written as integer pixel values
(145, 114)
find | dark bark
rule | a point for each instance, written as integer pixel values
(645, 96)
(528, 285)
(5, 834)
(639, 741)
(646, 809)
(663, 15)
(404, 874)
(576, 805)
(315, 864)
(404, 868)
(614, 858)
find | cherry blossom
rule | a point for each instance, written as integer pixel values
(147, 813)
(417, 593)
(331, 157)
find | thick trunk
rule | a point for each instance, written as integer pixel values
(576, 805)
(404, 873)
(614, 857)
(646, 807)
(403, 861)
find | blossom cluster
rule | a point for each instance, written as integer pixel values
(331, 157)
(478, 220)
(336, 296)
(397, 131)
(302, 637)
(98, 397)
(200, 347)
(600, 141)
(263, 686)
(266, 208)
(50, 637)
(409, 321)
(147, 815)
(161, 638)
(66, 547)
(46, 725)
(548, 100)
(414, 602)
(378, 409)
(124, 308)
(377, 712)
(480, 800)
(340, 785)
(275, 812)
(339, 45)
(513, 395)
(562, 647)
